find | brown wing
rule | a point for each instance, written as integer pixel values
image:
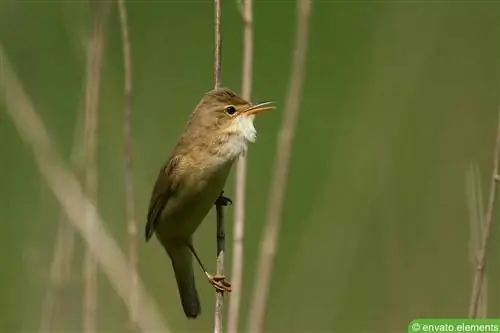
(162, 191)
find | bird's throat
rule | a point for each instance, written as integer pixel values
(244, 126)
(242, 131)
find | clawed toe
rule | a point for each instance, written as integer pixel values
(219, 282)
(223, 201)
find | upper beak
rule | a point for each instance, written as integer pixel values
(258, 108)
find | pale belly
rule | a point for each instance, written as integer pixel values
(186, 210)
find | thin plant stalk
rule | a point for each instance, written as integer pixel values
(217, 43)
(220, 233)
(128, 158)
(477, 224)
(58, 277)
(62, 257)
(477, 284)
(241, 174)
(64, 248)
(81, 212)
(94, 64)
(269, 242)
(219, 300)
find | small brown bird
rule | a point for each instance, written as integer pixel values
(193, 178)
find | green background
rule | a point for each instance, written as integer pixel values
(399, 99)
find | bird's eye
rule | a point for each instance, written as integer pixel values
(230, 110)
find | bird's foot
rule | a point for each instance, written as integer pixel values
(219, 282)
(223, 201)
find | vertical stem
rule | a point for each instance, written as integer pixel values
(278, 186)
(219, 297)
(128, 154)
(241, 166)
(477, 224)
(218, 44)
(63, 255)
(477, 284)
(220, 266)
(94, 64)
(61, 259)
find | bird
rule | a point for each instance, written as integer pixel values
(192, 180)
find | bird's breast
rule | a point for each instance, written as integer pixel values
(192, 200)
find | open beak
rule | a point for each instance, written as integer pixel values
(258, 108)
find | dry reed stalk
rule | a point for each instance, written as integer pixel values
(477, 227)
(269, 242)
(69, 193)
(220, 233)
(241, 174)
(219, 296)
(128, 159)
(477, 284)
(62, 257)
(93, 77)
(59, 274)
(217, 43)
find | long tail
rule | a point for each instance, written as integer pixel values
(182, 263)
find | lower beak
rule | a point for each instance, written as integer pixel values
(258, 108)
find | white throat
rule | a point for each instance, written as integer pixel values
(244, 126)
(243, 132)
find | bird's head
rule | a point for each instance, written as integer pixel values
(225, 120)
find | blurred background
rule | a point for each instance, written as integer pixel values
(394, 143)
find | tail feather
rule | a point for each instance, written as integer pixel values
(182, 263)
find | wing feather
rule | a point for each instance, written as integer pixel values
(162, 191)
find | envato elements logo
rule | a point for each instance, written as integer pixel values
(454, 325)
(415, 327)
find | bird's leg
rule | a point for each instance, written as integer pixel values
(222, 200)
(218, 281)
